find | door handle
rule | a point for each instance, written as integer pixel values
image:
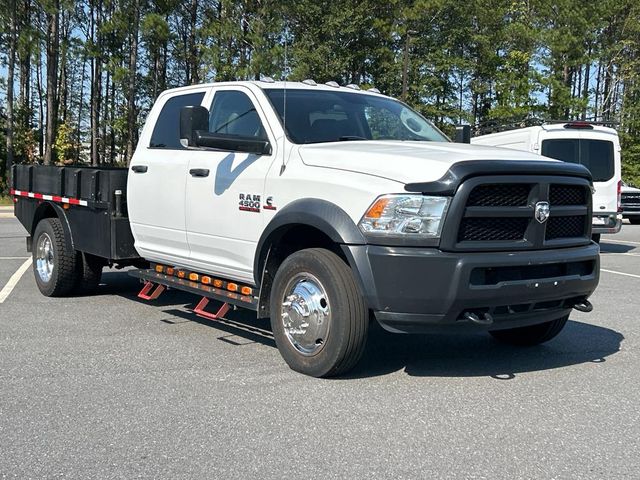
(139, 168)
(199, 172)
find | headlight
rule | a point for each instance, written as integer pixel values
(405, 215)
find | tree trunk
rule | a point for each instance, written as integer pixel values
(96, 83)
(10, 75)
(131, 90)
(53, 42)
(25, 70)
(193, 49)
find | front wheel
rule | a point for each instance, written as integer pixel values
(318, 317)
(531, 335)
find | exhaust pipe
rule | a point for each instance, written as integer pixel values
(482, 319)
(583, 306)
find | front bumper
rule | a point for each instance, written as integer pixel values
(607, 223)
(414, 290)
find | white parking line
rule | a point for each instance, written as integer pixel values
(620, 273)
(620, 241)
(13, 281)
(13, 258)
(620, 253)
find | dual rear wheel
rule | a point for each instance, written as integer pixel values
(59, 269)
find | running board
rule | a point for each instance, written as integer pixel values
(152, 278)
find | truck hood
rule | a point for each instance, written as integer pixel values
(403, 161)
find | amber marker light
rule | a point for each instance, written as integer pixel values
(169, 271)
(376, 210)
(159, 268)
(206, 280)
(232, 287)
(246, 291)
(217, 283)
(181, 274)
(193, 277)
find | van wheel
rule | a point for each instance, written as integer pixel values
(596, 237)
(89, 273)
(318, 317)
(531, 335)
(54, 265)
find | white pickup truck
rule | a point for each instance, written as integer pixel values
(322, 208)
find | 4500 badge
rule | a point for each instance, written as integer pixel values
(248, 202)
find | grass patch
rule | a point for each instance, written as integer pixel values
(5, 200)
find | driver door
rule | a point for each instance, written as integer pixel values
(225, 190)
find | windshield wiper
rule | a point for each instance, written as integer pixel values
(346, 138)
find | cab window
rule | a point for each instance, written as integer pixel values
(232, 112)
(166, 132)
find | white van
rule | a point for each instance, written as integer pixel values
(595, 146)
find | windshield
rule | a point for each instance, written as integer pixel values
(596, 155)
(316, 116)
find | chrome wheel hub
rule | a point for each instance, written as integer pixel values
(44, 258)
(306, 314)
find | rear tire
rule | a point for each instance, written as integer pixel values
(318, 316)
(54, 264)
(89, 273)
(531, 335)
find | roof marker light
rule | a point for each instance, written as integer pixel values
(333, 84)
(309, 81)
(374, 90)
(353, 86)
(579, 125)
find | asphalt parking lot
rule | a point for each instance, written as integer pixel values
(110, 387)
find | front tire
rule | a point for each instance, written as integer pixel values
(531, 335)
(318, 316)
(54, 264)
(634, 220)
(596, 237)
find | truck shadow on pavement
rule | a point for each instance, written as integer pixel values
(616, 247)
(479, 355)
(438, 355)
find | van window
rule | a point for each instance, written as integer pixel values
(596, 155)
(232, 112)
(166, 132)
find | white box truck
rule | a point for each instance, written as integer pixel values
(593, 145)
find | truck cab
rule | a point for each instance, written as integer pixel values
(595, 146)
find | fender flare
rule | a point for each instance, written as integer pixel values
(313, 212)
(62, 216)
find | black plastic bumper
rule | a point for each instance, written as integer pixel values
(415, 290)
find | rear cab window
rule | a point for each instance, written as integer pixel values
(166, 131)
(596, 155)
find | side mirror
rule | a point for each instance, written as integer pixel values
(194, 128)
(193, 119)
(463, 134)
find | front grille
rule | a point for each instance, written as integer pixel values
(565, 227)
(500, 195)
(567, 195)
(496, 211)
(492, 229)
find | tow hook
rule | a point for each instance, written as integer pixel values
(484, 319)
(583, 306)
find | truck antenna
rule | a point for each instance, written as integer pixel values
(284, 98)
